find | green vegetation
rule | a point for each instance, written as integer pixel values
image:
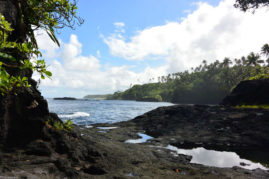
(19, 53)
(206, 84)
(259, 77)
(244, 5)
(10, 84)
(59, 125)
(97, 96)
(252, 107)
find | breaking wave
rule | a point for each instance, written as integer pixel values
(75, 115)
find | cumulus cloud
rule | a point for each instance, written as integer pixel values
(79, 75)
(46, 44)
(207, 33)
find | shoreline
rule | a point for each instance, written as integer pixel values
(112, 157)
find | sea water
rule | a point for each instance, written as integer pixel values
(87, 112)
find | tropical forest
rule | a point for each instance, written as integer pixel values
(205, 84)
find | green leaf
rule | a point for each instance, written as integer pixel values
(24, 79)
(7, 56)
(48, 73)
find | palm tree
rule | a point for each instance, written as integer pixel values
(204, 65)
(238, 62)
(244, 61)
(226, 62)
(253, 59)
(265, 50)
(267, 62)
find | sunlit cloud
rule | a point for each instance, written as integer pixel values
(85, 75)
(208, 33)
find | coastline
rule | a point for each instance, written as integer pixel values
(112, 157)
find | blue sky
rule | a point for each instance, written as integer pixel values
(100, 16)
(124, 42)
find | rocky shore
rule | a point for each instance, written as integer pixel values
(32, 148)
(100, 152)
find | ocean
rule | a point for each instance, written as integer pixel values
(86, 111)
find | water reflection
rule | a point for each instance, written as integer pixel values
(144, 138)
(107, 128)
(216, 158)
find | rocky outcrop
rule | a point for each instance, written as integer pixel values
(250, 92)
(212, 127)
(25, 134)
(22, 117)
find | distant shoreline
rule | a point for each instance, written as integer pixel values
(65, 98)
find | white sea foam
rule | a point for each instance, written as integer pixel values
(75, 115)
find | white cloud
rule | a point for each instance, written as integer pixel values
(119, 24)
(98, 53)
(208, 33)
(79, 75)
(46, 44)
(119, 27)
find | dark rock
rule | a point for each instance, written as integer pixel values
(212, 127)
(22, 117)
(64, 166)
(39, 148)
(65, 98)
(94, 170)
(250, 92)
(244, 164)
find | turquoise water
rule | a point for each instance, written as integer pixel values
(86, 112)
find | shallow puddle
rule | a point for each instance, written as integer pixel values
(144, 138)
(216, 158)
(107, 128)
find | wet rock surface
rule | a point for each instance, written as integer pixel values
(102, 153)
(217, 127)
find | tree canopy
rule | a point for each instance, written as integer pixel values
(19, 53)
(245, 5)
(46, 15)
(205, 84)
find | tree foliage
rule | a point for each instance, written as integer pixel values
(19, 53)
(265, 50)
(9, 83)
(205, 84)
(245, 5)
(47, 15)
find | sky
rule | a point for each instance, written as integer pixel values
(127, 42)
